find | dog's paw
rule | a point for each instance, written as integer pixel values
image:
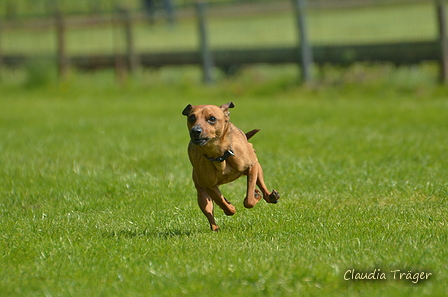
(274, 197)
(257, 195)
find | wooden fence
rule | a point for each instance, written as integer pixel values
(304, 54)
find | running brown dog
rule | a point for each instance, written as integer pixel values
(220, 153)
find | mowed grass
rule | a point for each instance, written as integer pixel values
(96, 197)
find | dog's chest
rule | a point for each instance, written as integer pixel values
(216, 173)
(225, 173)
(223, 168)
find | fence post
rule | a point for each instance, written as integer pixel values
(119, 59)
(204, 48)
(306, 52)
(1, 53)
(131, 55)
(443, 41)
(61, 46)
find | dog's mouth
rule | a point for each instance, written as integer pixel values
(200, 141)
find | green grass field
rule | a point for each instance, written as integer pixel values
(96, 197)
(390, 23)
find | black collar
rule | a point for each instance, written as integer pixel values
(224, 157)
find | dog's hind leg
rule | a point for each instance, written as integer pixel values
(270, 197)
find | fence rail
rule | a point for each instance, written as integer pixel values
(14, 9)
(230, 58)
(405, 53)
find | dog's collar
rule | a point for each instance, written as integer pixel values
(224, 157)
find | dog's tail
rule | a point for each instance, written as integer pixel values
(251, 133)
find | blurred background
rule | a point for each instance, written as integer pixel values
(129, 34)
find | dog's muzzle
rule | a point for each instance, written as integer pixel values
(195, 135)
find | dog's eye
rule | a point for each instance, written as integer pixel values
(192, 118)
(212, 120)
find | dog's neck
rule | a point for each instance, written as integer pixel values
(224, 157)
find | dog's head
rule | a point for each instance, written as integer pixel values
(206, 122)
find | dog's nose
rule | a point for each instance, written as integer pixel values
(196, 131)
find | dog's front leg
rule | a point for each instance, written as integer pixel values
(206, 204)
(255, 176)
(252, 194)
(219, 199)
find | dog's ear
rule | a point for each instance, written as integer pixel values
(187, 110)
(227, 106)
(225, 109)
